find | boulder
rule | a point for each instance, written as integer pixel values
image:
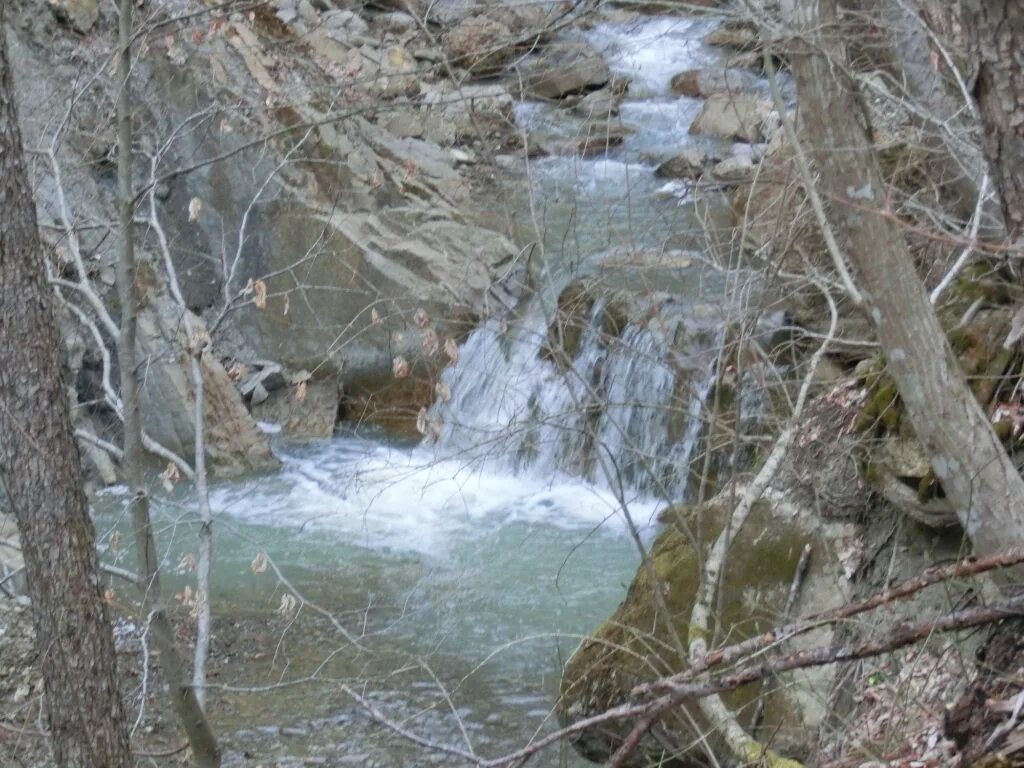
(700, 83)
(741, 116)
(480, 44)
(306, 409)
(234, 443)
(737, 35)
(563, 69)
(603, 103)
(688, 164)
(734, 170)
(635, 642)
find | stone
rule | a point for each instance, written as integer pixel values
(741, 116)
(304, 411)
(603, 103)
(341, 26)
(234, 443)
(688, 164)
(80, 15)
(734, 170)
(699, 83)
(733, 36)
(564, 69)
(480, 44)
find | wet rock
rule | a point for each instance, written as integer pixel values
(80, 15)
(603, 103)
(737, 35)
(564, 69)
(304, 410)
(688, 164)
(741, 116)
(258, 385)
(699, 83)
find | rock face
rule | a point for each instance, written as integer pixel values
(303, 412)
(563, 69)
(740, 116)
(80, 15)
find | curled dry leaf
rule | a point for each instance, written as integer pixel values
(237, 371)
(115, 542)
(259, 563)
(375, 317)
(421, 318)
(109, 595)
(260, 289)
(452, 350)
(195, 205)
(170, 476)
(430, 342)
(300, 391)
(421, 421)
(187, 564)
(287, 304)
(443, 391)
(287, 606)
(400, 367)
(434, 425)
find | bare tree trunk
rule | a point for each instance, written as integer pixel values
(41, 471)
(978, 477)
(204, 745)
(995, 29)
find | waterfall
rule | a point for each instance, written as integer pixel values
(626, 410)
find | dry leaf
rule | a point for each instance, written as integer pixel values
(288, 605)
(115, 542)
(443, 391)
(195, 205)
(259, 563)
(170, 476)
(421, 421)
(225, 127)
(430, 342)
(187, 564)
(375, 317)
(452, 350)
(421, 318)
(400, 367)
(108, 596)
(260, 289)
(237, 371)
(287, 304)
(300, 391)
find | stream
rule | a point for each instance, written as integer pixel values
(470, 569)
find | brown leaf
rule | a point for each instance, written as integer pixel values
(115, 542)
(195, 205)
(260, 289)
(259, 563)
(421, 421)
(375, 317)
(400, 367)
(430, 342)
(300, 391)
(443, 391)
(170, 476)
(421, 318)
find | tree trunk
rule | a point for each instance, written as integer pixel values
(41, 471)
(205, 750)
(995, 29)
(978, 477)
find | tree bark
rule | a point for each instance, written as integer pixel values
(995, 30)
(41, 471)
(976, 474)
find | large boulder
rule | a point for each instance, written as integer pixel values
(234, 443)
(564, 69)
(480, 44)
(739, 116)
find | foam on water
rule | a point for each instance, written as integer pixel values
(406, 499)
(651, 51)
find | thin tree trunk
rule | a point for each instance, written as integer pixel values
(41, 471)
(204, 745)
(978, 477)
(995, 29)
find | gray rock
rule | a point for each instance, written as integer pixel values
(80, 15)
(734, 170)
(480, 44)
(563, 69)
(309, 412)
(742, 116)
(698, 83)
(688, 164)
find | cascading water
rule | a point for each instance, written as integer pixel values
(625, 413)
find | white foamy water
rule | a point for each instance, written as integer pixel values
(651, 51)
(406, 499)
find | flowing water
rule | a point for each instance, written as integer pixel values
(470, 568)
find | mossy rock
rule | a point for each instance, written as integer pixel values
(573, 313)
(636, 645)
